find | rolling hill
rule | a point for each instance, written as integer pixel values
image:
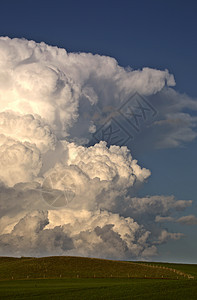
(81, 267)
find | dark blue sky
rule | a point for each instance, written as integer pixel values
(161, 34)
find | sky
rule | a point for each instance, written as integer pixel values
(154, 45)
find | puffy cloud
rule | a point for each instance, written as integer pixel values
(27, 128)
(18, 161)
(58, 196)
(16, 201)
(69, 90)
(23, 140)
(29, 238)
(71, 231)
(96, 233)
(44, 80)
(97, 176)
(101, 232)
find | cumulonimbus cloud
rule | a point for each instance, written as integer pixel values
(58, 195)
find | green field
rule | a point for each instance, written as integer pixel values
(88, 278)
(99, 289)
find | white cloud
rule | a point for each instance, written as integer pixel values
(19, 162)
(44, 80)
(48, 101)
(97, 233)
(26, 128)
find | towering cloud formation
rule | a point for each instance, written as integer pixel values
(59, 196)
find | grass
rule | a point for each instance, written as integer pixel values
(77, 267)
(187, 268)
(107, 288)
(89, 278)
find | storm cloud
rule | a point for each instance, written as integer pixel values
(60, 192)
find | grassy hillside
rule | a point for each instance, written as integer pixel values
(89, 278)
(186, 268)
(80, 267)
